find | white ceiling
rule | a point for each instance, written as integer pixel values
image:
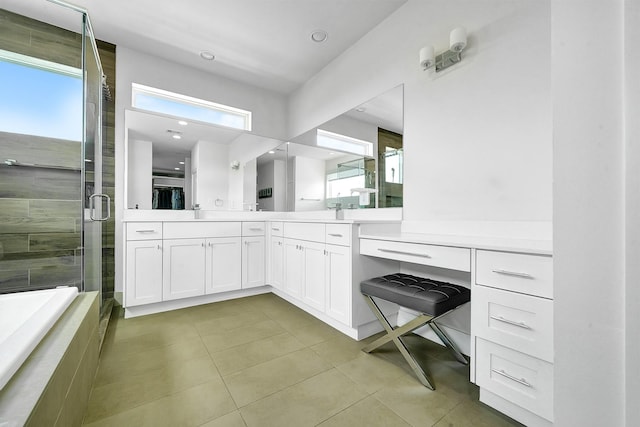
(262, 42)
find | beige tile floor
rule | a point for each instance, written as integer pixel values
(260, 361)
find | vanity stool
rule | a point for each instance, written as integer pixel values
(430, 297)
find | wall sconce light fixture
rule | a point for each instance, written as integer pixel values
(457, 42)
(235, 165)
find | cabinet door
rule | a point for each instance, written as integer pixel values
(276, 262)
(314, 269)
(338, 282)
(183, 268)
(253, 261)
(143, 273)
(223, 264)
(293, 267)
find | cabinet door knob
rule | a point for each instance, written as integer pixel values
(159, 247)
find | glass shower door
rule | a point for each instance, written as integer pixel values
(96, 204)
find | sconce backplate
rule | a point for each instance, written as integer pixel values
(447, 59)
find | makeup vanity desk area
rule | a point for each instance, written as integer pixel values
(511, 331)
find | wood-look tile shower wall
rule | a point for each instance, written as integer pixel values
(40, 208)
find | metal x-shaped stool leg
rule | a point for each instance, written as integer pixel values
(395, 335)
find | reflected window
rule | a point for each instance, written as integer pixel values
(174, 104)
(335, 141)
(39, 97)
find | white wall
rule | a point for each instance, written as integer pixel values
(588, 221)
(245, 149)
(139, 174)
(309, 181)
(632, 155)
(269, 110)
(210, 161)
(478, 135)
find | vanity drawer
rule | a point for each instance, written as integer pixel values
(144, 230)
(201, 229)
(276, 228)
(417, 253)
(311, 231)
(517, 321)
(517, 377)
(338, 234)
(527, 274)
(253, 228)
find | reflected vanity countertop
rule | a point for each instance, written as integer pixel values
(275, 218)
(542, 247)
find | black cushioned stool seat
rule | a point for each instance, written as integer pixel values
(430, 297)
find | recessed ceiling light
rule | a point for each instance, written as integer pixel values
(272, 152)
(176, 136)
(319, 36)
(207, 56)
(182, 163)
(182, 123)
(331, 154)
(177, 169)
(361, 109)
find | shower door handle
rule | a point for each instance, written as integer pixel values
(92, 207)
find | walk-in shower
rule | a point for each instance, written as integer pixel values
(54, 206)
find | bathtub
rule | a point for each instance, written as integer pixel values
(25, 318)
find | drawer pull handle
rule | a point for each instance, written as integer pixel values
(275, 229)
(159, 247)
(145, 231)
(255, 228)
(512, 378)
(513, 273)
(392, 251)
(511, 322)
(335, 235)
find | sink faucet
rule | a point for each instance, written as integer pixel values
(339, 211)
(251, 206)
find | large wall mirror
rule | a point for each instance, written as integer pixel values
(355, 159)
(173, 165)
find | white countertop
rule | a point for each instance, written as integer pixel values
(543, 247)
(332, 221)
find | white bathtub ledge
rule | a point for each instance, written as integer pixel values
(21, 395)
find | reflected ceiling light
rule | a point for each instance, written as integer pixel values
(457, 42)
(177, 169)
(319, 36)
(182, 123)
(207, 56)
(182, 163)
(272, 152)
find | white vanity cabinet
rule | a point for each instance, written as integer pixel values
(512, 325)
(318, 264)
(183, 268)
(223, 264)
(253, 254)
(143, 277)
(144, 272)
(174, 264)
(275, 255)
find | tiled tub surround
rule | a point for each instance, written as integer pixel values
(52, 387)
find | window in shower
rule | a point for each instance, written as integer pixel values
(175, 104)
(39, 97)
